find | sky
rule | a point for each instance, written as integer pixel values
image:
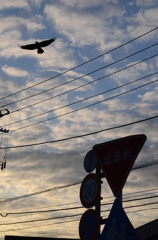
(45, 94)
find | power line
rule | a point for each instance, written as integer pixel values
(126, 195)
(149, 164)
(41, 211)
(152, 163)
(83, 135)
(82, 63)
(141, 205)
(146, 209)
(72, 215)
(112, 89)
(79, 207)
(80, 77)
(143, 198)
(39, 220)
(40, 192)
(9, 230)
(81, 108)
(43, 225)
(131, 200)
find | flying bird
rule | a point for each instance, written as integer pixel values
(38, 45)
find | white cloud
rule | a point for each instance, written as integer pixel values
(143, 21)
(73, 25)
(131, 73)
(14, 72)
(57, 55)
(85, 28)
(117, 105)
(9, 40)
(15, 23)
(13, 4)
(85, 58)
(150, 95)
(108, 58)
(81, 4)
(149, 3)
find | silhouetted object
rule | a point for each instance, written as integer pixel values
(1, 114)
(3, 165)
(38, 45)
(4, 130)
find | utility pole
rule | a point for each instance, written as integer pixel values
(3, 112)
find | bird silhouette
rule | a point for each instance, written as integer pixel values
(38, 45)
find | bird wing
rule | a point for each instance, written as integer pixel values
(29, 47)
(46, 42)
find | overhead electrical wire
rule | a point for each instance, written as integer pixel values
(82, 63)
(80, 207)
(26, 212)
(141, 205)
(143, 198)
(126, 197)
(112, 89)
(76, 102)
(66, 221)
(149, 164)
(140, 210)
(30, 212)
(39, 220)
(93, 82)
(40, 192)
(81, 108)
(9, 230)
(80, 77)
(67, 216)
(107, 210)
(82, 135)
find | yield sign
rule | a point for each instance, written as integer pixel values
(116, 159)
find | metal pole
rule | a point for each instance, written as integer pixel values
(98, 204)
(120, 198)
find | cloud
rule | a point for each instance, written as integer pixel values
(57, 55)
(84, 28)
(13, 4)
(36, 3)
(15, 72)
(150, 95)
(131, 73)
(142, 21)
(108, 58)
(149, 3)
(15, 23)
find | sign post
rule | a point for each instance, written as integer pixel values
(116, 159)
(89, 227)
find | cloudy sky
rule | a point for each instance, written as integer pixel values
(88, 80)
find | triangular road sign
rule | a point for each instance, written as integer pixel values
(116, 159)
(118, 226)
